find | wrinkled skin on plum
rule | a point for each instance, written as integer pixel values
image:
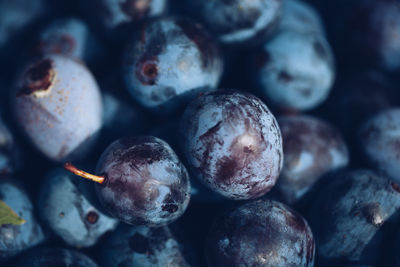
(58, 105)
(16, 238)
(232, 143)
(380, 141)
(293, 80)
(171, 60)
(237, 21)
(69, 213)
(311, 149)
(54, 257)
(347, 215)
(260, 233)
(145, 183)
(142, 246)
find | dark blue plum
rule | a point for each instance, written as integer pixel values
(141, 246)
(67, 211)
(236, 22)
(349, 213)
(140, 181)
(145, 181)
(299, 16)
(311, 149)
(169, 61)
(232, 143)
(69, 37)
(58, 106)
(260, 233)
(54, 257)
(16, 238)
(379, 139)
(112, 14)
(290, 79)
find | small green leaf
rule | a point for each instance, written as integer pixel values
(8, 216)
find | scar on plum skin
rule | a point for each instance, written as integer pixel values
(39, 79)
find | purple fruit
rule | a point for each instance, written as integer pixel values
(380, 142)
(294, 80)
(237, 21)
(232, 144)
(171, 60)
(58, 105)
(349, 215)
(68, 212)
(260, 233)
(141, 181)
(311, 149)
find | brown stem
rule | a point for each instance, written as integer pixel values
(95, 178)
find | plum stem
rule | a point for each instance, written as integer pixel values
(95, 178)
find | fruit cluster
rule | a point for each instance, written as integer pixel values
(199, 133)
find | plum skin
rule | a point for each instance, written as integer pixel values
(145, 183)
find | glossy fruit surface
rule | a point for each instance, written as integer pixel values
(260, 233)
(311, 149)
(142, 246)
(65, 208)
(169, 60)
(58, 105)
(291, 79)
(16, 238)
(237, 21)
(349, 212)
(145, 183)
(232, 143)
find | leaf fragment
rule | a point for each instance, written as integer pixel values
(8, 216)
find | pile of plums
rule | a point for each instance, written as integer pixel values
(199, 133)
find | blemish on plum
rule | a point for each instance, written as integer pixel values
(171, 208)
(92, 217)
(39, 77)
(396, 187)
